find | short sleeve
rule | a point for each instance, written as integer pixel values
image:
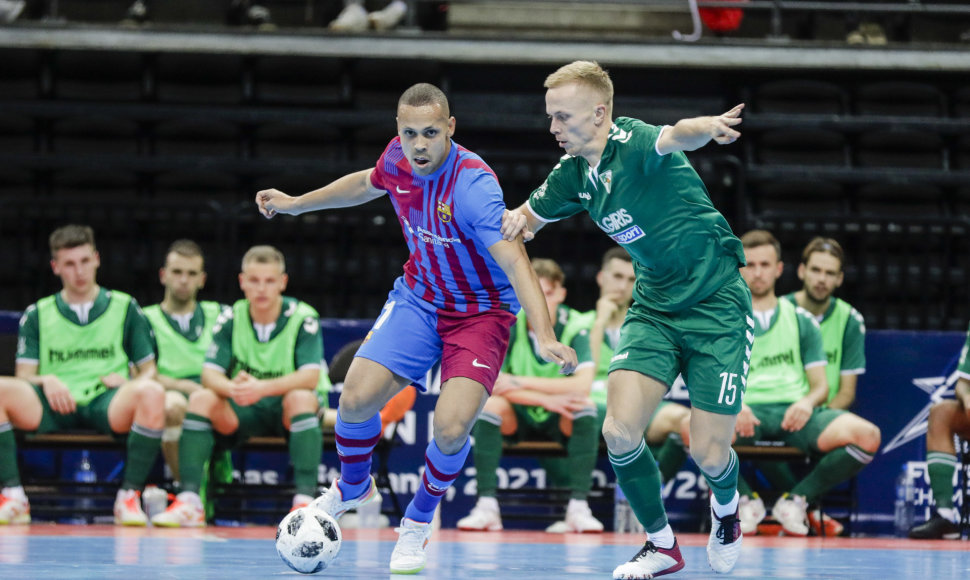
(551, 201)
(810, 340)
(854, 344)
(479, 205)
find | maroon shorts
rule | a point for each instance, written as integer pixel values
(474, 345)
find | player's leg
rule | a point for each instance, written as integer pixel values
(20, 408)
(947, 418)
(306, 442)
(136, 407)
(496, 420)
(582, 446)
(663, 437)
(176, 405)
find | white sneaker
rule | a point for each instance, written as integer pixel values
(752, 511)
(484, 517)
(559, 527)
(389, 17)
(14, 510)
(409, 556)
(353, 18)
(651, 562)
(11, 9)
(790, 512)
(185, 512)
(579, 518)
(300, 500)
(128, 510)
(724, 543)
(333, 503)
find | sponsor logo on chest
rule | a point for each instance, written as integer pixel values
(616, 224)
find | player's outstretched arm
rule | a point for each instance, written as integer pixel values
(350, 190)
(691, 134)
(513, 260)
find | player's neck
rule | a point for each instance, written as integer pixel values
(764, 303)
(805, 300)
(597, 147)
(72, 297)
(172, 306)
(616, 320)
(266, 315)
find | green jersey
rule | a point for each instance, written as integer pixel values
(963, 367)
(294, 342)
(607, 349)
(787, 340)
(844, 340)
(81, 346)
(656, 207)
(181, 349)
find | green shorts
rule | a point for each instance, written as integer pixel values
(93, 415)
(536, 424)
(806, 438)
(709, 343)
(261, 419)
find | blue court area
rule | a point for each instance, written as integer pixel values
(105, 553)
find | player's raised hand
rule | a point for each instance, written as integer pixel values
(560, 354)
(514, 223)
(721, 126)
(271, 201)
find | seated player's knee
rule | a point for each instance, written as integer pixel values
(175, 407)
(299, 401)
(202, 401)
(868, 436)
(619, 437)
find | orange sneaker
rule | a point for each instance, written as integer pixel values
(816, 519)
(185, 512)
(128, 510)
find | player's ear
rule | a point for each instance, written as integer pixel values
(801, 271)
(451, 126)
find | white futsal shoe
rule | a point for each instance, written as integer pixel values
(484, 517)
(333, 503)
(409, 555)
(791, 512)
(724, 543)
(752, 512)
(650, 562)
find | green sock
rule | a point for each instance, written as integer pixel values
(778, 474)
(743, 487)
(306, 447)
(581, 450)
(487, 452)
(670, 456)
(195, 448)
(835, 467)
(557, 471)
(144, 444)
(725, 484)
(639, 478)
(9, 474)
(941, 467)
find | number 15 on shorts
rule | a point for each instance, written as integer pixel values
(729, 390)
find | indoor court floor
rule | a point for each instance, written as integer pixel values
(65, 552)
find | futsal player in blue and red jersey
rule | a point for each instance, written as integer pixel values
(456, 302)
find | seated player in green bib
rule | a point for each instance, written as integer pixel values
(263, 375)
(75, 352)
(787, 391)
(532, 401)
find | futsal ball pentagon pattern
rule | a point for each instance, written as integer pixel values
(308, 540)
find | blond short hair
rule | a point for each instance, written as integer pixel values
(69, 237)
(585, 72)
(264, 255)
(548, 269)
(758, 238)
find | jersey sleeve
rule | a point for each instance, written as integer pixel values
(963, 367)
(552, 201)
(479, 205)
(854, 345)
(309, 344)
(810, 340)
(580, 344)
(139, 338)
(28, 336)
(219, 354)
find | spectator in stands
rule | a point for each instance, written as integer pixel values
(947, 418)
(532, 401)
(787, 391)
(183, 331)
(455, 302)
(691, 310)
(264, 375)
(74, 351)
(355, 18)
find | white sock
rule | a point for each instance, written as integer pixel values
(727, 509)
(663, 539)
(951, 514)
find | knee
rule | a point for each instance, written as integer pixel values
(620, 438)
(202, 401)
(941, 417)
(175, 407)
(151, 393)
(299, 402)
(355, 405)
(710, 458)
(450, 436)
(869, 437)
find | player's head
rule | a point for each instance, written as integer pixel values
(579, 102)
(263, 278)
(616, 277)
(551, 280)
(425, 126)
(821, 268)
(75, 258)
(183, 274)
(762, 252)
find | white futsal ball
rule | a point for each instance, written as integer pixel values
(308, 540)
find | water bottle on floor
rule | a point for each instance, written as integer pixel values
(903, 507)
(84, 504)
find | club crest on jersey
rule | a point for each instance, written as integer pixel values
(444, 212)
(606, 178)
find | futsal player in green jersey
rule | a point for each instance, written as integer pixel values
(74, 351)
(531, 401)
(183, 331)
(949, 417)
(787, 390)
(691, 309)
(262, 375)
